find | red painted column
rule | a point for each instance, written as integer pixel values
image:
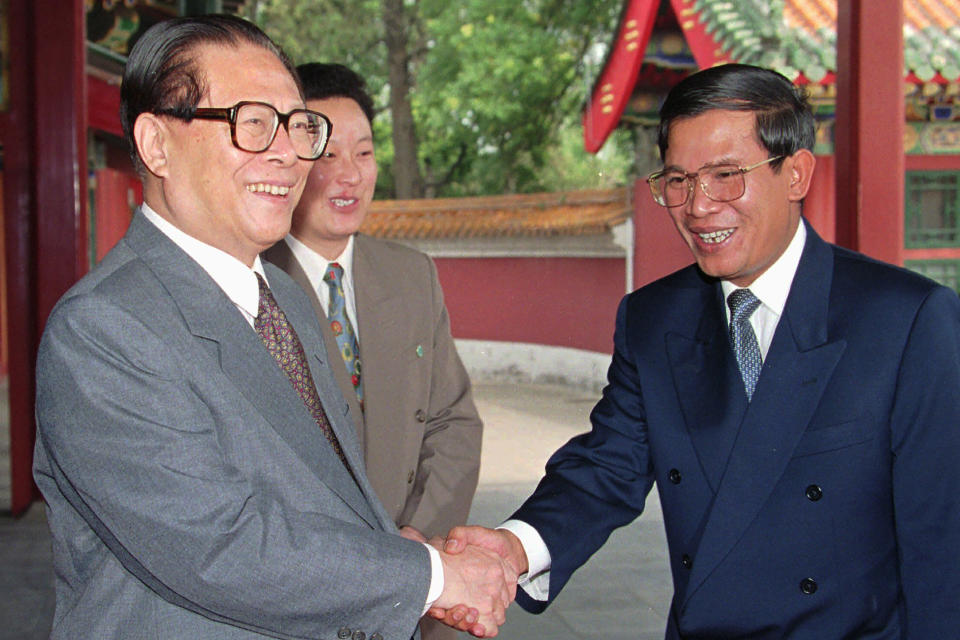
(45, 206)
(61, 144)
(868, 134)
(16, 133)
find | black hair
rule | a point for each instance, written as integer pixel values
(784, 120)
(322, 80)
(162, 74)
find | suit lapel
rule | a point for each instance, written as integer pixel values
(708, 384)
(380, 333)
(224, 334)
(794, 375)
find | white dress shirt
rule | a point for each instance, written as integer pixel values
(772, 288)
(236, 279)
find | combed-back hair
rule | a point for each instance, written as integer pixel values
(330, 80)
(163, 73)
(784, 120)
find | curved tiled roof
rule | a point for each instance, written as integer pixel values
(798, 37)
(568, 213)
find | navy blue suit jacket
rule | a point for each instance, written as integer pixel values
(829, 506)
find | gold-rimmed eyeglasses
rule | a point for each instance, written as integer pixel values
(254, 125)
(720, 183)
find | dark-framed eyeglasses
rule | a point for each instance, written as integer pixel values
(720, 183)
(254, 125)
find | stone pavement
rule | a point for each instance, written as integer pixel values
(622, 593)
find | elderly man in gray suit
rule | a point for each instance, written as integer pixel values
(202, 476)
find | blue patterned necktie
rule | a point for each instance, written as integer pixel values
(341, 327)
(742, 305)
(281, 340)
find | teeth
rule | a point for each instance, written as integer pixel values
(715, 237)
(340, 202)
(272, 189)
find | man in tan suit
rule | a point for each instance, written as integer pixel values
(411, 399)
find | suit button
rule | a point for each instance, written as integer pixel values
(808, 586)
(674, 476)
(344, 633)
(421, 415)
(813, 493)
(686, 561)
(359, 635)
(410, 477)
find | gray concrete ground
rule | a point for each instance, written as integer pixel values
(622, 593)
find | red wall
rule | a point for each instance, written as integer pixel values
(568, 302)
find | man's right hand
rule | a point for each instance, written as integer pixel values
(480, 579)
(500, 541)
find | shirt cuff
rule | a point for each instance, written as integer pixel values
(536, 582)
(436, 578)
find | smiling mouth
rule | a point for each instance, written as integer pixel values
(272, 189)
(715, 237)
(342, 202)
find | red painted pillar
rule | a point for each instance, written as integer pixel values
(868, 134)
(16, 134)
(45, 197)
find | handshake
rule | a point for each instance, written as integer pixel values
(480, 571)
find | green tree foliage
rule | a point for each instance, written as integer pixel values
(497, 86)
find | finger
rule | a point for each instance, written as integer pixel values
(456, 540)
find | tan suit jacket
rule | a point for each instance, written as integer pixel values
(419, 428)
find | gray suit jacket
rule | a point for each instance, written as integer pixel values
(419, 429)
(190, 494)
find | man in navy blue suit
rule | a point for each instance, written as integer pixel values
(796, 403)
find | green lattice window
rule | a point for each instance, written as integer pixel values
(932, 209)
(946, 272)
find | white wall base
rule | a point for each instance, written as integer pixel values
(492, 361)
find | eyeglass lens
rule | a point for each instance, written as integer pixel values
(257, 124)
(721, 184)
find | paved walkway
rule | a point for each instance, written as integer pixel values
(622, 593)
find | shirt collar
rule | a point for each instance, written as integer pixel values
(773, 286)
(236, 279)
(315, 265)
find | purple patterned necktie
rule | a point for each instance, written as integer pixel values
(282, 342)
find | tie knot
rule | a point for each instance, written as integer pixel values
(334, 273)
(742, 304)
(261, 283)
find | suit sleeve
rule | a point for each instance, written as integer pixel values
(132, 444)
(599, 480)
(449, 464)
(925, 432)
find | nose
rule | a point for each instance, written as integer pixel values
(281, 149)
(348, 171)
(698, 204)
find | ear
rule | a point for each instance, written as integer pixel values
(800, 168)
(150, 136)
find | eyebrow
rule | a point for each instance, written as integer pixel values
(716, 163)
